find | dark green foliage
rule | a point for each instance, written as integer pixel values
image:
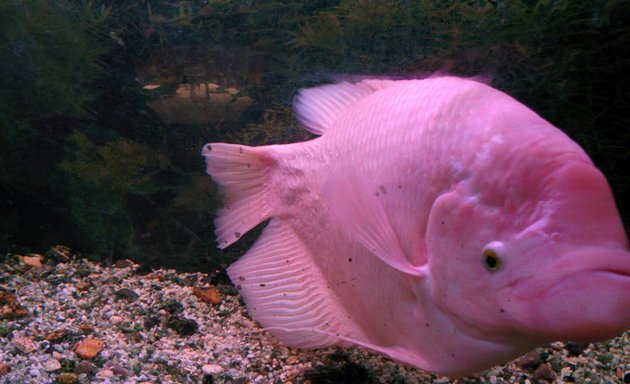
(85, 161)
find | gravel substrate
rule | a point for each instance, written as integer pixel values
(69, 320)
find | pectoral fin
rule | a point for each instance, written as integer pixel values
(361, 212)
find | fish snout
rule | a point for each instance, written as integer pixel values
(584, 296)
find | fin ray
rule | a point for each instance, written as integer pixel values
(243, 173)
(285, 291)
(318, 108)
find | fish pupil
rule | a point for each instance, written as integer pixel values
(491, 260)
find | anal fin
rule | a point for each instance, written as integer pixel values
(287, 294)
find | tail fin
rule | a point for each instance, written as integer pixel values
(243, 173)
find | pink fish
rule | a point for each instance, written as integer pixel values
(438, 222)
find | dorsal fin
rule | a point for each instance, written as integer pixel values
(318, 108)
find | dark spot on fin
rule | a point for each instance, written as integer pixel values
(382, 189)
(240, 149)
(209, 147)
(237, 234)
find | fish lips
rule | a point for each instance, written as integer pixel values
(584, 296)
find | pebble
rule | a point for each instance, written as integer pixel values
(574, 349)
(208, 295)
(24, 344)
(56, 335)
(4, 369)
(126, 294)
(88, 348)
(67, 378)
(211, 369)
(119, 370)
(85, 367)
(52, 365)
(123, 263)
(7, 297)
(32, 261)
(115, 319)
(544, 372)
(104, 374)
(12, 311)
(531, 361)
(182, 325)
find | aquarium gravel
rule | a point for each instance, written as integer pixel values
(69, 320)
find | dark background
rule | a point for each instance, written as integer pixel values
(104, 106)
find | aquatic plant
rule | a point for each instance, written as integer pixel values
(85, 161)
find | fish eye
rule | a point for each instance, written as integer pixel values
(491, 260)
(490, 256)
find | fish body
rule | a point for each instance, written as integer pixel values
(438, 222)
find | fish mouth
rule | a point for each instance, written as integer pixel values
(602, 262)
(584, 296)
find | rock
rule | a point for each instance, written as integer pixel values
(104, 374)
(544, 372)
(7, 298)
(33, 261)
(52, 365)
(574, 349)
(115, 320)
(56, 335)
(85, 367)
(183, 326)
(208, 295)
(126, 294)
(10, 308)
(24, 344)
(150, 322)
(119, 370)
(126, 263)
(531, 361)
(606, 358)
(172, 306)
(86, 328)
(67, 378)
(60, 252)
(83, 286)
(88, 348)
(12, 311)
(4, 369)
(211, 369)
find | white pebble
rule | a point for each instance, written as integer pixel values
(52, 365)
(104, 374)
(211, 369)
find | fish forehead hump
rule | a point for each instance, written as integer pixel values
(410, 142)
